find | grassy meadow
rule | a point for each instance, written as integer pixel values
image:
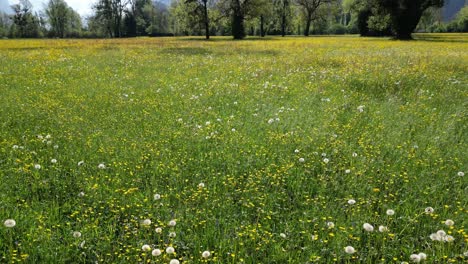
(274, 150)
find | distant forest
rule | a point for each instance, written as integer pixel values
(238, 18)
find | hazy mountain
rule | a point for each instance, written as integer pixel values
(451, 8)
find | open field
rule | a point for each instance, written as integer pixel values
(262, 151)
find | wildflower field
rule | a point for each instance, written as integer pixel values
(277, 150)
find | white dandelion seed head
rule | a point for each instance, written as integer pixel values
(449, 239)
(415, 258)
(465, 254)
(206, 254)
(383, 229)
(461, 173)
(422, 256)
(37, 166)
(429, 210)
(174, 261)
(201, 185)
(360, 108)
(146, 222)
(349, 250)
(172, 234)
(15, 146)
(301, 160)
(325, 160)
(435, 237)
(390, 212)
(170, 250)
(156, 252)
(81, 163)
(283, 235)
(441, 233)
(157, 196)
(330, 224)
(368, 227)
(81, 194)
(9, 223)
(449, 222)
(101, 166)
(158, 230)
(56, 146)
(53, 160)
(296, 151)
(146, 248)
(77, 234)
(347, 171)
(82, 244)
(172, 223)
(351, 201)
(354, 154)
(233, 130)
(40, 137)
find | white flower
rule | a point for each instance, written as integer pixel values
(146, 222)
(325, 160)
(158, 230)
(301, 160)
(40, 137)
(296, 151)
(349, 250)
(201, 185)
(37, 166)
(146, 248)
(422, 256)
(415, 258)
(271, 120)
(174, 261)
(330, 224)
(354, 154)
(157, 197)
(156, 252)
(172, 234)
(56, 146)
(351, 201)
(101, 166)
(80, 163)
(82, 244)
(283, 235)
(170, 250)
(435, 237)
(390, 212)
(347, 171)
(53, 160)
(449, 238)
(383, 229)
(449, 222)
(9, 223)
(172, 223)
(15, 146)
(233, 130)
(360, 108)
(429, 210)
(441, 233)
(81, 194)
(461, 173)
(77, 234)
(206, 254)
(368, 227)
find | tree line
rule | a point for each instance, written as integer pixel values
(238, 18)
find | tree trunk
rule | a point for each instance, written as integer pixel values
(307, 27)
(238, 31)
(205, 20)
(262, 31)
(283, 24)
(405, 23)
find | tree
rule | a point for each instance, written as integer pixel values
(201, 8)
(238, 11)
(57, 12)
(310, 8)
(25, 23)
(284, 11)
(110, 14)
(405, 14)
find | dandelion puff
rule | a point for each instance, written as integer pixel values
(415, 258)
(201, 185)
(422, 256)
(390, 212)
(301, 160)
(325, 160)
(429, 210)
(351, 201)
(354, 154)
(360, 108)
(158, 230)
(172, 234)
(449, 222)
(271, 120)
(156, 252)
(330, 224)
(77, 234)
(435, 237)
(296, 151)
(206, 254)
(146, 248)
(157, 196)
(449, 239)
(101, 166)
(349, 250)
(441, 233)
(9, 223)
(174, 261)
(81, 194)
(368, 227)
(37, 166)
(172, 223)
(53, 161)
(81, 163)
(383, 229)
(461, 173)
(283, 235)
(146, 222)
(82, 244)
(347, 171)
(15, 146)
(170, 250)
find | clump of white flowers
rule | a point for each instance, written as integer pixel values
(157, 196)
(301, 160)
(368, 227)
(206, 254)
(441, 236)
(156, 252)
(146, 248)
(9, 223)
(170, 250)
(390, 212)
(201, 185)
(349, 250)
(429, 210)
(449, 222)
(146, 222)
(461, 173)
(77, 234)
(351, 201)
(101, 166)
(172, 223)
(383, 229)
(330, 224)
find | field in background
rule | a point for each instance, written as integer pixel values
(262, 151)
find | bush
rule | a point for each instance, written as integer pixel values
(336, 29)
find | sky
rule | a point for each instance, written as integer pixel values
(83, 7)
